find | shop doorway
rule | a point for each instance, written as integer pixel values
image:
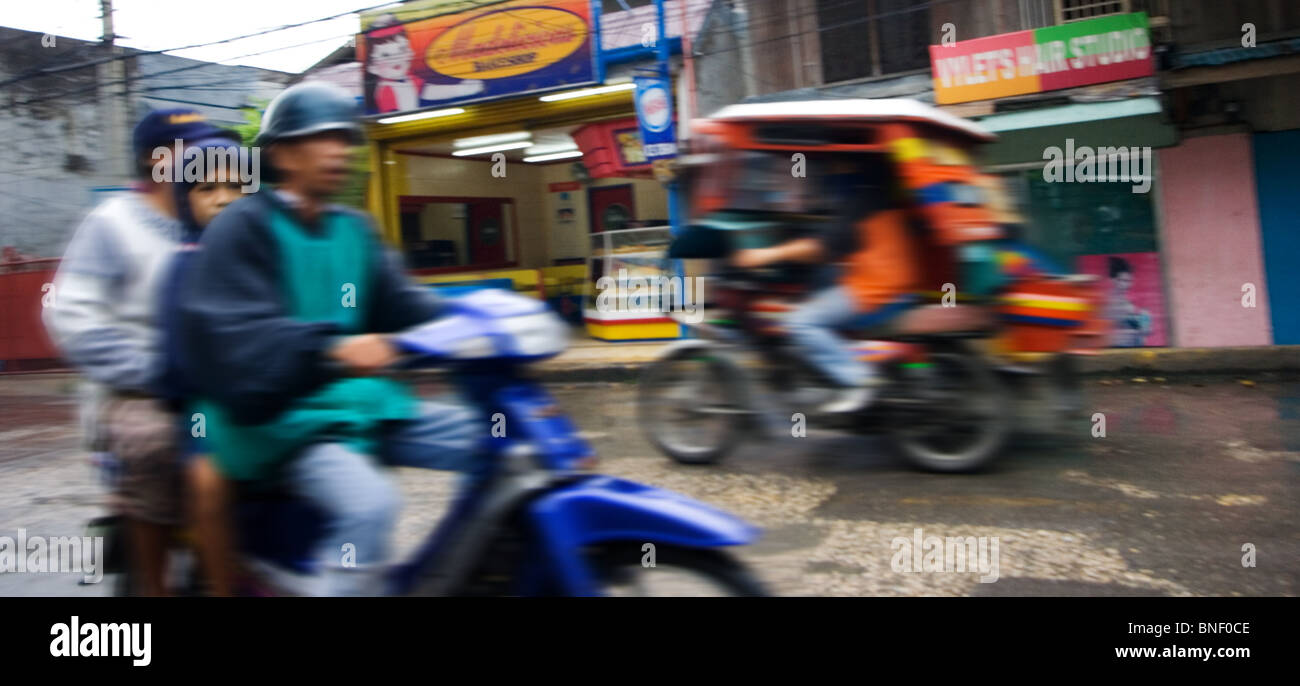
(611, 208)
(485, 231)
(1103, 229)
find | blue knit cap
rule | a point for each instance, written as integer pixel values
(164, 127)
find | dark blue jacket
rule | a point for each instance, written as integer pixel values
(237, 343)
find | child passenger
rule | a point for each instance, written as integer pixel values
(197, 204)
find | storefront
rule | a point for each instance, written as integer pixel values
(1087, 182)
(1083, 168)
(507, 161)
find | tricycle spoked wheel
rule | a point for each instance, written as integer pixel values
(689, 407)
(622, 569)
(965, 419)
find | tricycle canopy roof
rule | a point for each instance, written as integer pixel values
(852, 109)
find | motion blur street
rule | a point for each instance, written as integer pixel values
(1192, 468)
(842, 298)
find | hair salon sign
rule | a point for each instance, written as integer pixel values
(1111, 48)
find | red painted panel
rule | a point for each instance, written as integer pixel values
(22, 334)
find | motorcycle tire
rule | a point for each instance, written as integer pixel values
(658, 376)
(970, 379)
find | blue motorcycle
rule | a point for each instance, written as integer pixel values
(529, 521)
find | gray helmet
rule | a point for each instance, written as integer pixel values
(308, 108)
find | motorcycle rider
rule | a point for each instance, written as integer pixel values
(284, 317)
(882, 270)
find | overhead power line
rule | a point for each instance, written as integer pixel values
(45, 71)
(142, 77)
(785, 19)
(748, 24)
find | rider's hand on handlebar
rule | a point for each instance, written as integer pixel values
(752, 258)
(364, 355)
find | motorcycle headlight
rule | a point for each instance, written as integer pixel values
(541, 333)
(474, 347)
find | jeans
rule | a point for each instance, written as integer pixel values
(812, 327)
(361, 502)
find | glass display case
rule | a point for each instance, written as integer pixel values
(624, 255)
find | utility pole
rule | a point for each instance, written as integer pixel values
(113, 104)
(741, 10)
(687, 107)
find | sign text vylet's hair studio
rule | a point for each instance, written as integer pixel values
(1111, 48)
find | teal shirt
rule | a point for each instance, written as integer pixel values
(326, 278)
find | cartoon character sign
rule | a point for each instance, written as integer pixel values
(391, 74)
(434, 53)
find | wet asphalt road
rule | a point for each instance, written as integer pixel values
(1190, 471)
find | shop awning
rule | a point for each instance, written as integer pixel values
(1023, 136)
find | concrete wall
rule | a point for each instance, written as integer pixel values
(57, 135)
(1210, 241)
(55, 141)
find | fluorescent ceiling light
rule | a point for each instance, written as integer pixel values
(422, 115)
(491, 148)
(552, 147)
(554, 156)
(489, 140)
(587, 92)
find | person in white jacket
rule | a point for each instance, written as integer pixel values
(103, 319)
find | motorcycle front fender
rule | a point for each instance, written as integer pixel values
(604, 508)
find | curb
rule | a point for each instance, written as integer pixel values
(1282, 358)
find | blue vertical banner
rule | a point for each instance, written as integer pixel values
(654, 114)
(1276, 177)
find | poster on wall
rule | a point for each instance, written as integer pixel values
(434, 53)
(565, 214)
(631, 151)
(1135, 301)
(566, 240)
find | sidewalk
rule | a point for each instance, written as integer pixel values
(592, 360)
